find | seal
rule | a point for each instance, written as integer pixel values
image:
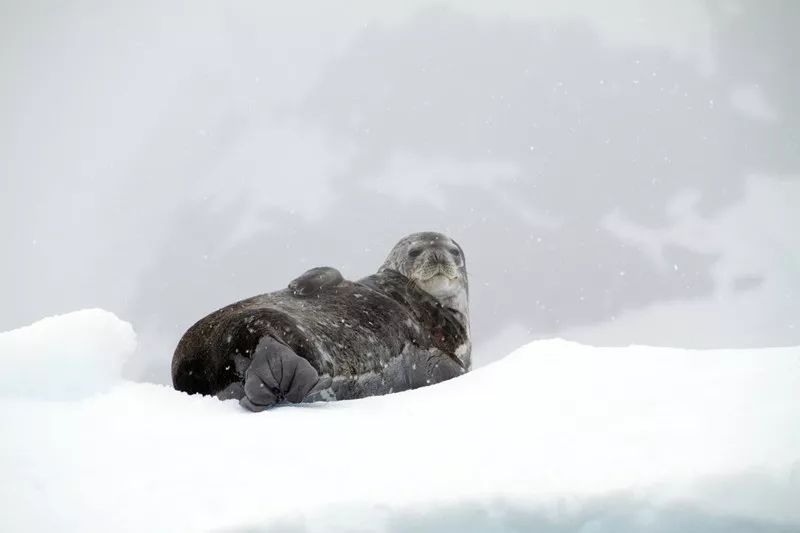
(327, 338)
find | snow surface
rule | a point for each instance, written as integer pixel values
(555, 437)
(65, 357)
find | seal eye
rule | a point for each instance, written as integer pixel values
(414, 253)
(455, 253)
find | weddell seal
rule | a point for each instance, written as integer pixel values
(327, 338)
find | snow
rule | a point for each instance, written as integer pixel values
(62, 357)
(556, 436)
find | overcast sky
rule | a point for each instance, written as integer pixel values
(616, 172)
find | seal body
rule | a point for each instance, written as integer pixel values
(325, 338)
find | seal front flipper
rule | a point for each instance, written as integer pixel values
(314, 280)
(276, 373)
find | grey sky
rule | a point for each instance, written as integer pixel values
(615, 175)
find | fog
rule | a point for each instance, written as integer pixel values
(617, 173)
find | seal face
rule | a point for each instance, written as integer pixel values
(325, 337)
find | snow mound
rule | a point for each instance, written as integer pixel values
(65, 357)
(555, 437)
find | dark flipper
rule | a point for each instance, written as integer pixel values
(278, 374)
(314, 280)
(234, 391)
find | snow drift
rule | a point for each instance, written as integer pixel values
(555, 437)
(65, 357)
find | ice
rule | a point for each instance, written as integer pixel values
(556, 436)
(68, 356)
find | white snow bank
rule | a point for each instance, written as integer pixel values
(555, 437)
(65, 357)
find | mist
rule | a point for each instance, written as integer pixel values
(615, 174)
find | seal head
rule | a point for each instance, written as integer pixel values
(436, 264)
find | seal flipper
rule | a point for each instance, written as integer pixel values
(235, 391)
(277, 373)
(314, 280)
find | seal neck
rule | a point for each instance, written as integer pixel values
(402, 289)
